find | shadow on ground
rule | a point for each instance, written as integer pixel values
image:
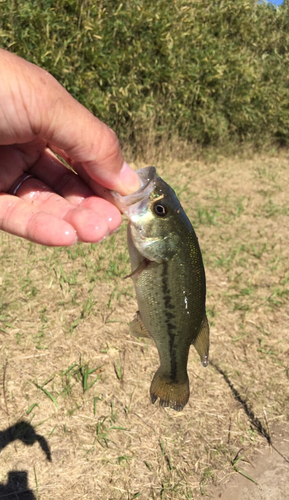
(255, 422)
(24, 432)
(266, 476)
(16, 487)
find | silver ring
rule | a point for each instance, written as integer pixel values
(18, 183)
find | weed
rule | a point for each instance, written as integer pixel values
(101, 432)
(49, 394)
(31, 408)
(235, 462)
(117, 369)
(80, 372)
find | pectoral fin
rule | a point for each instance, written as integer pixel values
(202, 342)
(138, 270)
(137, 328)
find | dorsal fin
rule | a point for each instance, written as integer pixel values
(202, 342)
(137, 328)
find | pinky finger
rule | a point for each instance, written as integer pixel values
(21, 219)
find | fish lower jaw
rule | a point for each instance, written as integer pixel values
(171, 393)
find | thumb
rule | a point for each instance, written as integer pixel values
(43, 108)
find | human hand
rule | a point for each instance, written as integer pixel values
(41, 199)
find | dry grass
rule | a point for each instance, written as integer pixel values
(70, 370)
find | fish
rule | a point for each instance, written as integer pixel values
(169, 281)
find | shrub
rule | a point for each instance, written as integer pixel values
(209, 71)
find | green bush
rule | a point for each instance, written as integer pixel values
(209, 71)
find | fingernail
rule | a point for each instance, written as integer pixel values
(129, 179)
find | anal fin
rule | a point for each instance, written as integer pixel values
(137, 328)
(202, 342)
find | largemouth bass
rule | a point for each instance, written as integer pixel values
(170, 284)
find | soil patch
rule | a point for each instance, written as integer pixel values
(268, 469)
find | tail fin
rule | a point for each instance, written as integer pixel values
(170, 392)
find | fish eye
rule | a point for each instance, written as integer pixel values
(160, 209)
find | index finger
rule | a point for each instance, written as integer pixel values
(91, 143)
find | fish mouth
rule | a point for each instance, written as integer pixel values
(133, 204)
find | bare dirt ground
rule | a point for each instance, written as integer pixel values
(75, 416)
(268, 471)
